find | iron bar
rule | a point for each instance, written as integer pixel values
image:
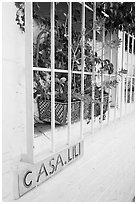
(29, 156)
(116, 88)
(83, 67)
(52, 77)
(126, 97)
(131, 82)
(109, 90)
(122, 78)
(102, 74)
(69, 71)
(93, 70)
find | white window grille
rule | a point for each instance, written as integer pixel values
(29, 157)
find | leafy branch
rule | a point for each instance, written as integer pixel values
(20, 15)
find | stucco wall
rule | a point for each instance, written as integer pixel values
(13, 97)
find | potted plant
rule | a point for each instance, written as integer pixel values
(43, 82)
(118, 16)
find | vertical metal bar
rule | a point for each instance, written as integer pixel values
(130, 100)
(29, 157)
(122, 78)
(83, 65)
(69, 71)
(116, 89)
(52, 77)
(111, 60)
(93, 71)
(133, 73)
(102, 74)
(109, 91)
(127, 75)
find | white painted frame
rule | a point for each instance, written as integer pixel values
(122, 77)
(109, 91)
(83, 67)
(69, 70)
(93, 71)
(29, 156)
(102, 75)
(52, 77)
(116, 88)
(130, 100)
(127, 74)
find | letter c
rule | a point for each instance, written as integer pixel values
(27, 185)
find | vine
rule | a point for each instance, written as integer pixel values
(20, 15)
(118, 15)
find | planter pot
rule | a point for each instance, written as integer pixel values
(61, 110)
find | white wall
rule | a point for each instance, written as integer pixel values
(13, 97)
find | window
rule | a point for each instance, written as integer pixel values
(62, 43)
(51, 75)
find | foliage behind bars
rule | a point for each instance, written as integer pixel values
(115, 16)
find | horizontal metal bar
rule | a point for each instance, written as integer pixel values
(75, 72)
(59, 70)
(66, 71)
(129, 76)
(41, 69)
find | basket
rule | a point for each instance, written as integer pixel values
(61, 111)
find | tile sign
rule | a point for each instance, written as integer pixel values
(35, 174)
